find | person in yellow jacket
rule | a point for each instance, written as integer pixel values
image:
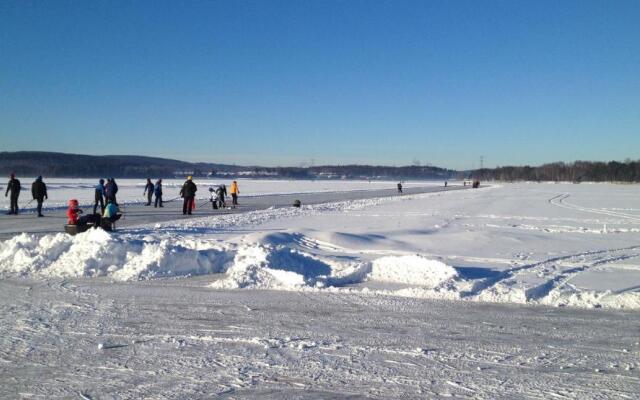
(234, 194)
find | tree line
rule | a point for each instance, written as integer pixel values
(579, 171)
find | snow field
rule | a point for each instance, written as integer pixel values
(467, 245)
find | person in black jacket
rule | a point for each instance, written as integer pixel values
(158, 191)
(14, 187)
(148, 190)
(39, 193)
(188, 193)
(110, 190)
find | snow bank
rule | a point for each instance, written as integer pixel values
(414, 270)
(279, 267)
(97, 253)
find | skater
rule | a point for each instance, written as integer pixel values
(213, 198)
(234, 194)
(188, 193)
(110, 190)
(445, 183)
(400, 187)
(99, 196)
(158, 191)
(221, 192)
(14, 187)
(148, 190)
(39, 193)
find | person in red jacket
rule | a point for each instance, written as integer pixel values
(73, 212)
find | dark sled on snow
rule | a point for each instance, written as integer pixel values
(105, 224)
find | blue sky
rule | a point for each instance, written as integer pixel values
(287, 82)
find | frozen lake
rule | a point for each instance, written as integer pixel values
(131, 190)
(513, 290)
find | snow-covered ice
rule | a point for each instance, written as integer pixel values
(380, 297)
(561, 245)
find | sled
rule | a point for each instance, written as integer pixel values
(75, 229)
(108, 225)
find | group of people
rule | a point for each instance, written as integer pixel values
(150, 189)
(217, 195)
(105, 196)
(105, 193)
(38, 191)
(110, 214)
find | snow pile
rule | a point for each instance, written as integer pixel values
(280, 267)
(414, 270)
(97, 253)
(266, 267)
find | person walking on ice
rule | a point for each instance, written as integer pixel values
(39, 193)
(400, 187)
(234, 194)
(99, 196)
(110, 191)
(188, 193)
(148, 190)
(14, 188)
(221, 192)
(158, 191)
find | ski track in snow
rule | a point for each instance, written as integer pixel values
(169, 339)
(560, 201)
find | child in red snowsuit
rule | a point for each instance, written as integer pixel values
(73, 212)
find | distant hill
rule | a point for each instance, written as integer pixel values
(49, 164)
(33, 163)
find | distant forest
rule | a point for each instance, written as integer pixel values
(49, 164)
(579, 171)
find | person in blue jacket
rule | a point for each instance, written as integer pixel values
(158, 192)
(99, 196)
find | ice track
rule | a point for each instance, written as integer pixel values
(175, 339)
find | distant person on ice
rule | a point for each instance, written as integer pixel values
(399, 187)
(234, 194)
(221, 193)
(188, 193)
(148, 190)
(213, 198)
(158, 192)
(39, 193)
(99, 196)
(14, 188)
(110, 191)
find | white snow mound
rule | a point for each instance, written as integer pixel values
(413, 269)
(97, 253)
